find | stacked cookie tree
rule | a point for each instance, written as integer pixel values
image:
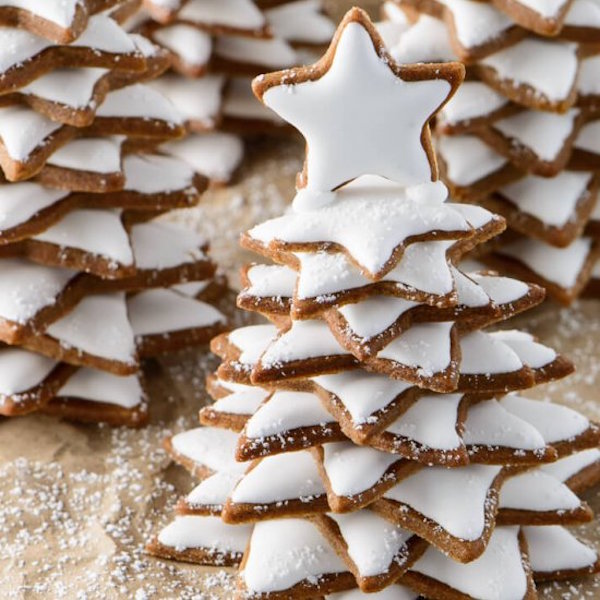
(520, 138)
(372, 436)
(86, 270)
(216, 48)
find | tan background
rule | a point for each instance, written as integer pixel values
(77, 503)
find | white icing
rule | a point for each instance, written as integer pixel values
(244, 402)
(425, 41)
(285, 552)
(483, 354)
(567, 467)
(305, 339)
(425, 346)
(159, 245)
(301, 21)
(73, 87)
(373, 315)
(551, 200)
(527, 349)
(211, 447)
(139, 101)
(155, 174)
(285, 411)
(497, 574)
(544, 133)
(537, 491)
(470, 293)
(373, 543)
(192, 45)
(160, 311)
(554, 421)
(99, 386)
(583, 13)
(105, 34)
(554, 548)
(243, 14)
(454, 498)
(268, 281)
(201, 531)
(26, 288)
(501, 290)
(430, 421)
(489, 424)
(192, 288)
(21, 201)
(477, 23)
(368, 219)
(288, 476)
(588, 137)
(98, 155)
(252, 341)
(197, 100)
(549, 67)
(557, 265)
(362, 393)
(365, 85)
(547, 9)
(588, 82)
(215, 155)
(273, 53)
(214, 490)
(423, 267)
(18, 46)
(353, 469)
(99, 326)
(61, 12)
(468, 159)
(98, 232)
(22, 130)
(472, 100)
(21, 370)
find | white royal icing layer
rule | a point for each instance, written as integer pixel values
(454, 498)
(285, 411)
(549, 67)
(99, 386)
(205, 532)
(21, 370)
(287, 476)
(285, 552)
(209, 446)
(497, 574)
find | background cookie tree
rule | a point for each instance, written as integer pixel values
(372, 436)
(216, 48)
(90, 281)
(521, 136)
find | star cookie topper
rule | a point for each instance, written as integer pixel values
(361, 112)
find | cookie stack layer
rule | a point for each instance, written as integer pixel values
(216, 47)
(371, 437)
(91, 282)
(521, 136)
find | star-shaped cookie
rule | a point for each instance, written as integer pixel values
(389, 106)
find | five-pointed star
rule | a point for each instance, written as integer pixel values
(361, 112)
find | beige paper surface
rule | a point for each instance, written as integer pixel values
(77, 503)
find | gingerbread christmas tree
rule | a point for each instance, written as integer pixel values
(91, 280)
(372, 436)
(216, 48)
(521, 136)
